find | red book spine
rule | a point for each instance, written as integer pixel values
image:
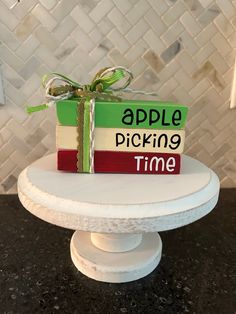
(123, 162)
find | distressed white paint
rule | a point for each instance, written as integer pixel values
(115, 267)
(120, 242)
(117, 209)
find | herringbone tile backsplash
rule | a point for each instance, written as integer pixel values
(184, 50)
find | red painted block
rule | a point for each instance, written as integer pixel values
(124, 162)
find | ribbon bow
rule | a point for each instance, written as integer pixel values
(100, 87)
(60, 87)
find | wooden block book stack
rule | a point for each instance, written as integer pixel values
(130, 136)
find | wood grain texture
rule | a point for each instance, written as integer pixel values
(146, 114)
(123, 162)
(132, 140)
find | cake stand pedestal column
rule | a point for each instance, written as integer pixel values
(117, 216)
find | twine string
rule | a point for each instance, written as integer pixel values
(60, 87)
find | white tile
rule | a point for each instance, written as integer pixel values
(137, 12)
(96, 35)
(206, 3)
(65, 50)
(9, 57)
(159, 6)
(105, 26)
(135, 52)
(232, 40)
(101, 10)
(221, 44)
(5, 135)
(186, 62)
(224, 25)
(63, 9)
(167, 88)
(174, 13)
(226, 7)
(46, 38)
(31, 86)
(45, 18)
(120, 21)
(182, 96)
(137, 31)
(48, 4)
(168, 71)
(200, 88)
(27, 48)
(23, 9)
(154, 20)
(7, 168)
(82, 19)
(208, 15)
(206, 34)
(118, 58)
(154, 42)
(204, 53)
(123, 5)
(118, 40)
(47, 57)
(26, 27)
(97, 53)
(184, 79)
(194, 6)
(8, 37)
(17, 129)
(7, 17)
(218, 62)
(8, 3)
(12, 76)
(190, 24)
(138, 68)
(189, 43)
(83, 40)
(172, 33)
(65, 28)
(4, 116)
(228, 76)
(19, 159)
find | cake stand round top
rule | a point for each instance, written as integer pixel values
(118, 203)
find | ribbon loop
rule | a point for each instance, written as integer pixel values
(117, 73)
(59, 87)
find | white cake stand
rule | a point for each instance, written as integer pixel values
(117, 216)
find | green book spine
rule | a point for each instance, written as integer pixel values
(127, 114)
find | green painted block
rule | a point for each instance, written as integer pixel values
(128, 114)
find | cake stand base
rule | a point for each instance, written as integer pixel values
(115, 257)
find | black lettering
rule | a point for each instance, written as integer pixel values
(121, 141)
(165, 137)
(133, 137)
(163, 119)
(154, 116)
(176, 117)
(127, 139)
(128, 117)
(141, 116)
(146, 139)
(175, 140)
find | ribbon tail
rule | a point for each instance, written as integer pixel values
(86, 137)
(32, 109)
